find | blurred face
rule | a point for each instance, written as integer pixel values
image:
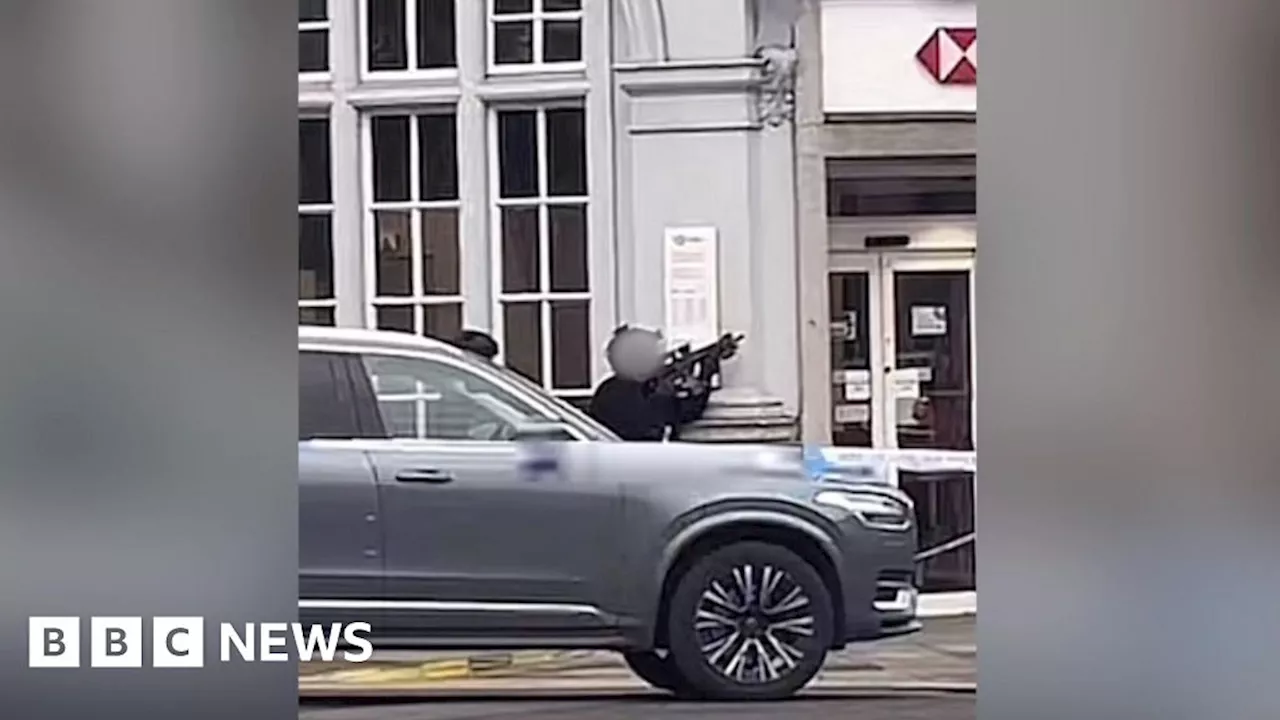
(636, 354)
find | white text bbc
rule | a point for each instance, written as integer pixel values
(178, 642)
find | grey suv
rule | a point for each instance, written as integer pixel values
(454, 504)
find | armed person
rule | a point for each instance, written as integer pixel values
(652, 393)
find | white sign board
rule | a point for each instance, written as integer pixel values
(871, 56)
(928, 320)
(691, 278)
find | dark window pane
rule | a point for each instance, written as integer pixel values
(513, 43)
(390, 157)
(315, 257)
(562, 41)
(314, 176)
(395, 317)
(566, 152)
(316, 316)
(313, 51)
(887, 196)
(394, 252)
(442, 322)
(438, 161)
(518, 153)
(561, 5)
(571, 344)
(522, 341)
(440, 259)
(436, 43)
(509, 7)
(568, 226)
(321, 412)
(386, 39)
(520, 267)
(312, 10)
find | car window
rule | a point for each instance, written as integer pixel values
(564, 409)
(429, 399)
(323, 411)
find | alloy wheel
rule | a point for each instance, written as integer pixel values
(753, 622)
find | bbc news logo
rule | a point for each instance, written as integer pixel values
(179, 642)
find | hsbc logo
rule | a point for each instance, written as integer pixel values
(950, 55)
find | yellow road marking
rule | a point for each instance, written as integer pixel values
(435, 670)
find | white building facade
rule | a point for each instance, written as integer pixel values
(800, 171)
(523, 166)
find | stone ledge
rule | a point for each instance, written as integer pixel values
(743, 415)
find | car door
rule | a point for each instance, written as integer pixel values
(339, 542)
(476, 539)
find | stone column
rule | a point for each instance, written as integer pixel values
(705, 138)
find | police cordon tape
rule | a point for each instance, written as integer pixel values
(884, 466)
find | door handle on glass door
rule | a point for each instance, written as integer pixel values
(424, 475)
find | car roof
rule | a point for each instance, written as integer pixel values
(360, 337)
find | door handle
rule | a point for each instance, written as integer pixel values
(424, 475)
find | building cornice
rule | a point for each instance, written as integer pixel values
(698, 77)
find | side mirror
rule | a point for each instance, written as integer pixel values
(543, 432)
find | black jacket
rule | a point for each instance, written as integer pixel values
(637, 411)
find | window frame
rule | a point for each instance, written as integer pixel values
(412, 72)
(370, 206)
(542, 201)
(327, 209)
(317, 25)
(538, 17)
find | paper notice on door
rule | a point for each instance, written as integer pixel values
(858, 391)
(843, 377)
(851, 414)
(845, 329)
(904, 384)
(928, 320)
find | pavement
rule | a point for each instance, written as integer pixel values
(652, 706)
(941, 658)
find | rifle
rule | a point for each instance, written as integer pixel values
(690, 371)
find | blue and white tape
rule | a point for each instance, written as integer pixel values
(882, 466)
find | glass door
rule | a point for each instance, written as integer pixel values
(929, 338)
(927, 307)
(855, 322)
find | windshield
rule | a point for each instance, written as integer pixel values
(559, 407)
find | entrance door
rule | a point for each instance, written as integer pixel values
(856, 354)
(902, 378)
(902, 350)
(927, 312)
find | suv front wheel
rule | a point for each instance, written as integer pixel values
(750, 621)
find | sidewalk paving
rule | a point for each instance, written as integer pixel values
(942, 656)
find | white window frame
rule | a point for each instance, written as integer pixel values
(541, 201)
(538, 17)
(372, 300)
(411, 46)
(324, 209)
(327, 26)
